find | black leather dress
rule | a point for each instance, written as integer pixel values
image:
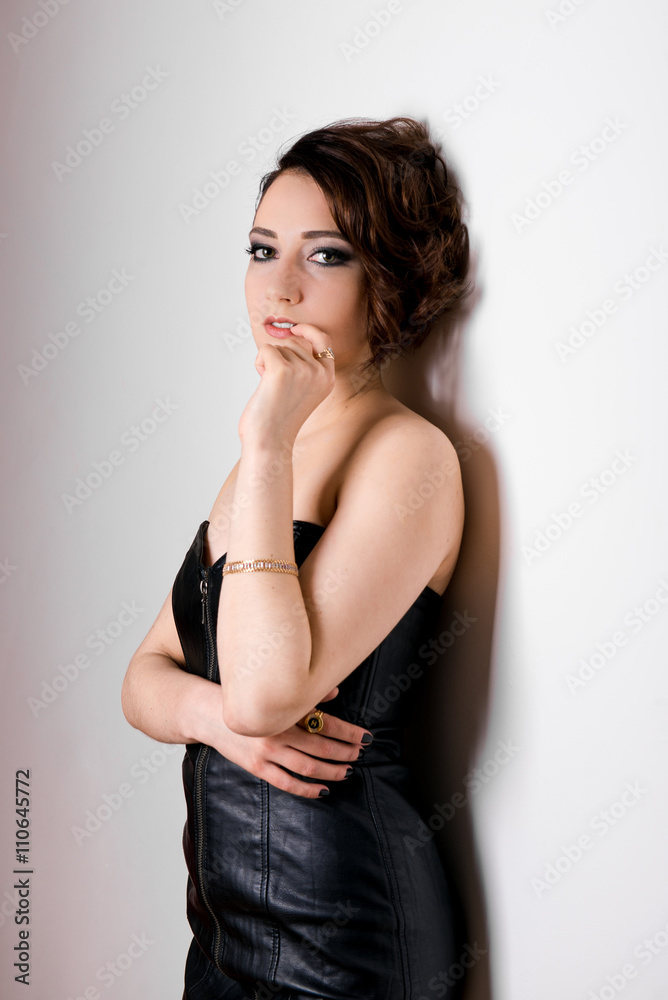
(333, 897)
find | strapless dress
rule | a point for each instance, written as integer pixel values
(321, 898)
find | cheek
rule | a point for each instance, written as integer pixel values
(357, 297)
(250, 290)
(347, 292)
(352, 304)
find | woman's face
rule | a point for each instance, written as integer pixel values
(302, 272)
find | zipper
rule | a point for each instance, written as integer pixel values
(206, 621)
(201, 762)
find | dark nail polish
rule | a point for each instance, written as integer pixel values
(349, 772)
(367, 738)
(361, 753)
(323, 791)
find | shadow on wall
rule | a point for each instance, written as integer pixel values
(451, 709)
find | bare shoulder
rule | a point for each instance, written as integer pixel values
(405, 471)
(407, 446)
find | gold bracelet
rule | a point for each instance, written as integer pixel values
(261, 565)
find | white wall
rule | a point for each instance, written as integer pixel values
(547, 84)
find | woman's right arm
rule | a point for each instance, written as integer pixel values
(170, 705)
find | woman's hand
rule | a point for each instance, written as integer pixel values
(170, 705)
(303, 753)
(293, 382)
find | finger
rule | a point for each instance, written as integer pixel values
(279, 778)
(317, 338)
(269, 354)
(338, 729)
(326, 747)
(306, 766)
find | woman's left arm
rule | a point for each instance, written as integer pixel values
(399, 515)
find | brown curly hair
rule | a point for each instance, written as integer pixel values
(392, 196)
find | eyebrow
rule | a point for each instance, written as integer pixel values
(310, 234)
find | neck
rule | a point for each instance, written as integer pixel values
(349, 388)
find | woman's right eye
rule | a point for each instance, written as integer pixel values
(254, 248)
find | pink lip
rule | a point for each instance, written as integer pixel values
(273, 331)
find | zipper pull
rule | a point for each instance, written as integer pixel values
(203, 587)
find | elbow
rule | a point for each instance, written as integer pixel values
(246, 720)
(128, 706)
(262, 706)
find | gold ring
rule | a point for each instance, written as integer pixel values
(312, 722)
(327, 353)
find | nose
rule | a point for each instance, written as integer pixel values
(283, 284)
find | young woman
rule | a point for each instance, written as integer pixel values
(319, 590)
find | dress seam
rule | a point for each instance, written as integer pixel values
(380, 829)
(275, 931)
(205, 751)
(391, 877)
(196, 833)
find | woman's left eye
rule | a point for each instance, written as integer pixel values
(335, 256)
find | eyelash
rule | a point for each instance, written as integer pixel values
(341, 256)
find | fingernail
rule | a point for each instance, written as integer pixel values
(323, 791)
(361, 754)
(367, 738)
(349, 772)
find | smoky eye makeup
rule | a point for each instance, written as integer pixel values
(336, 255)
